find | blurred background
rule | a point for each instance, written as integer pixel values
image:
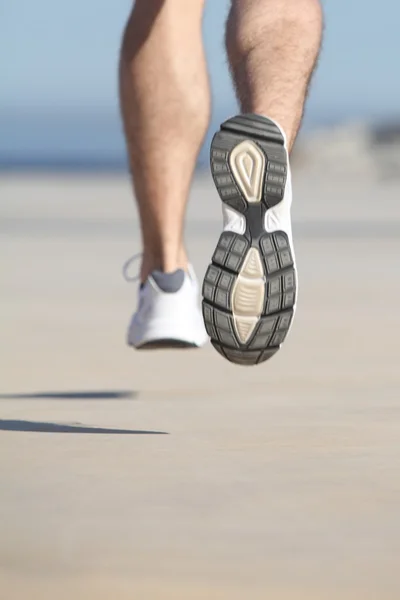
(59, 108)
(178, 476)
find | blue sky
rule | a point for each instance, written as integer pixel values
(59, 59)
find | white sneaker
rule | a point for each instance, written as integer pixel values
(249, 290)
(168, 314)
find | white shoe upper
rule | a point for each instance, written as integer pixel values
(167, 314)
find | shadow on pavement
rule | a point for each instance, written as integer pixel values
(73, 395)
(38, 427)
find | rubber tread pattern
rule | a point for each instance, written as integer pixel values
(232, 248)
(269, 139)
(280, 282)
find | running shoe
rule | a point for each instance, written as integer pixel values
(249, 290)
(168, 313)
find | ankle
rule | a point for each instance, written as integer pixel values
(163, 262)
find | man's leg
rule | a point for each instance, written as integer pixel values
(250, 288)
(165, 103)
(273, 46)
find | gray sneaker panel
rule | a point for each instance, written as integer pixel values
(169, 282)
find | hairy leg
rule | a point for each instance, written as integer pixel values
(249, 288)
(273, 46)
(165, 105)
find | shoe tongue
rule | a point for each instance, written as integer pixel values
(169, 282)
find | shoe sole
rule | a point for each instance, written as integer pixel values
(249, 290)
(166, 344)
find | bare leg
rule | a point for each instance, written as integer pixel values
(273, 47)
(165, 103)
(250, 286)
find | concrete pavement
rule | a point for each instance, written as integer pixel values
(176, 474)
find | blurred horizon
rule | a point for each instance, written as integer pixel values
(59, 105)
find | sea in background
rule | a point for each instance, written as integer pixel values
(83, 141)
(59, 106)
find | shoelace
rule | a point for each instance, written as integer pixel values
(134, 258)
(127, 265)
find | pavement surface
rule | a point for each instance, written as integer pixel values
(176, 475)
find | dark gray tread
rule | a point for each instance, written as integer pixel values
(280, 288)
(274, 248)
(269, 139)
(166, 344)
